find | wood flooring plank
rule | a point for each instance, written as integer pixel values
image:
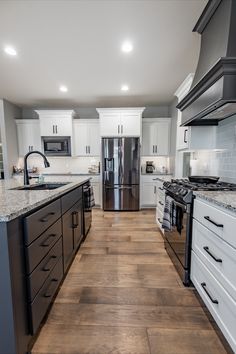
(73, 339)
(184, 341)
(127, 259)
(129, 315)
(139, 296)
(93, 250)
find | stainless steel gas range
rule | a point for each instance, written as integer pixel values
(179, 237)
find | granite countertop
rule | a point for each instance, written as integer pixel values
(71, 174)
(14, 203)
(224, 199)
(163, 178)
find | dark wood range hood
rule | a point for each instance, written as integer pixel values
(212, 96)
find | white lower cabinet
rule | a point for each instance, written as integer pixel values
(97, 189)
(213, 264)
(28, 135)
(147, 191)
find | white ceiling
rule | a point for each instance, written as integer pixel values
(77, 43)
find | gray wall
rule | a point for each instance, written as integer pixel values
(8, 113)
(174, 116)
(90, 112)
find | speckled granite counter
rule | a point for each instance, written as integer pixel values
(222, 199)
(163, 178)
(14, 203)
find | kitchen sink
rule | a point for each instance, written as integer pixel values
(41, 186)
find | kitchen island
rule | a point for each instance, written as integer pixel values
(40, 233)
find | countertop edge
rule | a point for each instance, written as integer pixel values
(216, 202)
(58, 193)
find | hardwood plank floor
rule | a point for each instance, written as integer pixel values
(122, 295)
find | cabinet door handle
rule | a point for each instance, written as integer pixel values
(212, 255)
(53, 129)
(185, 135)
(160, 202)
(160, 221)
(122, 129)
(153, 149)
(156, 149)
(89, 148)
(46, 218)
(86, 148)
(203, 285)
(48, 292)
(75, 219)
(48, 265)
(46, 243)
(155, 189)
(162, 189)
(56, 129)
(213, 222)
(118, 129)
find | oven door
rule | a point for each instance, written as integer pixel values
(57, 146)
(180, 240)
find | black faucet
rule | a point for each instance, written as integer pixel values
(26, 176)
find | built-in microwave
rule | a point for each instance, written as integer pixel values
(57, 146)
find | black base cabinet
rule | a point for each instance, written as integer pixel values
(35, 253)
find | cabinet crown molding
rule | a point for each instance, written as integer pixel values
(121, 110)
(52, 112)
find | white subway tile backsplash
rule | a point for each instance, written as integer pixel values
(221, 163)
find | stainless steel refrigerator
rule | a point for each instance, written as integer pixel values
(121, 170)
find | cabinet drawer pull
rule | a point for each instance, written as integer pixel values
(213, 222)
(46, 243)
(75, 221)
(48, 292)
(160, 202)
(214, 301)
(47, 266)
(161, 189)
(185, 134)
(160, 221)
(46, 218)
(212, 255)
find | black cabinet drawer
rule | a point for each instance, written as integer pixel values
(68, 200)
(38, 308)
(40, 247)
(36, 223)
(40, 274)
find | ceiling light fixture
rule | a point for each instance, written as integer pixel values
(127, 47)
(63, 88)
(10, 51)
(124, 88)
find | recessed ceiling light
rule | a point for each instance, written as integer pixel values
(127, 47)
(124, 88)
(63, 88)
(10, 51)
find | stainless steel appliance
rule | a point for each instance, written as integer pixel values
(57, 146)
(121, 171)
(178, 239)
(149, 167)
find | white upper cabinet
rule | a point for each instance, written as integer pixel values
(55, 123)
(28, 135)
(196, 137)
(156, 136)
(117, 122)
(86, 137)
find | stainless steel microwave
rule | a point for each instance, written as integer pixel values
(57, 146)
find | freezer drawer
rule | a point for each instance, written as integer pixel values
(121, 197)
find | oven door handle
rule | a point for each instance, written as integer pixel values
(180, 205)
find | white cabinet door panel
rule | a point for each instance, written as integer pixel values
(130, 124)
(80, 139)
(110, 124)
(94, 140)
(28, 136)
(148, 194)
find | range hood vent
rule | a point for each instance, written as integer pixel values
(212, 96)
